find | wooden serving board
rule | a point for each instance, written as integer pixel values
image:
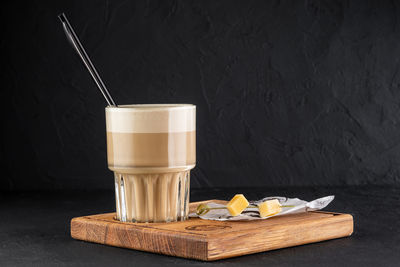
(212, 240)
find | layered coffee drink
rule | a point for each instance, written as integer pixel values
(151, 149)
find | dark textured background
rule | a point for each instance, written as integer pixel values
(287, 92)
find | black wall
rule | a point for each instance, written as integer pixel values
(287, 92)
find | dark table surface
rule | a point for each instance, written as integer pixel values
(34, 230)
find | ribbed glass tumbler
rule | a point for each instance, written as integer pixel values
(151, 150)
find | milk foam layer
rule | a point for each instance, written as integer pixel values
(151, 118)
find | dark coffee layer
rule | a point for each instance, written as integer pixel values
(136, 150)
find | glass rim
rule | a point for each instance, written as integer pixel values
(149, 107)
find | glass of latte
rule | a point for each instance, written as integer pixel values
(151, 150)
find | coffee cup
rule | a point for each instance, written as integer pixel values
(151, 149)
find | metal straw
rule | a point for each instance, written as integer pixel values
(73, 38)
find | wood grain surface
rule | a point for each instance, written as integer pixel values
(212, 240)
